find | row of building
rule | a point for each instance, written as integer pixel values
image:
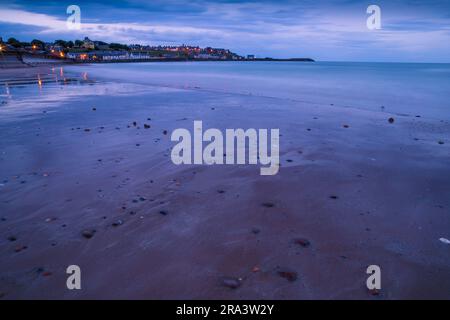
(88, 50)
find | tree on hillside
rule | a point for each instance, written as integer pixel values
(61, 43)
(38, 43)
(78, 43)
(118, 46)
(14, 42)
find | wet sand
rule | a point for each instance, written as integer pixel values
(353, 190)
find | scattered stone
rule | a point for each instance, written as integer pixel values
(142, 199)
(146, 126)
(232, 283)
(290, 276)
(39, 270)
(289, 160)
(374, 292)
(256, 230)
(138, 144)
(12, 238)
(303, 242)
(268, 205)
(346, 126)
(117, 223)
(94, 109)
(165, 132)
(132, 213)
(391, 120)
(134, 123)
(441, 142)
(87, 130)
(163, 212)
(334, 197)
(20, 248)
(88, 234)
(220, 191)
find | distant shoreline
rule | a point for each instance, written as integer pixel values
(14, 60)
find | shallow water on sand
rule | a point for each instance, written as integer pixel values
(402, 88)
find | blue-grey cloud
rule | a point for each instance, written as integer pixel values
(327, 30)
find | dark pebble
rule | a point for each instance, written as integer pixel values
(20, 248)
(220, 191)
(165, 132)
(12, 238)
(334, 197)
(163, 212)
(94, 109)
(268, 205)
(146, 126)
(117, 223)
(88, 233)
(303, 242)
(232, 283)
(374, 292)
(391, 120)
(290, 276)
(441, 142)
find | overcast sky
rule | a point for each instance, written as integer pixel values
(334, 30)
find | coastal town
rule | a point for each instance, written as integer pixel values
(13, 51)
(88, 50)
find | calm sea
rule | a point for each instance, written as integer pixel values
(405, 88)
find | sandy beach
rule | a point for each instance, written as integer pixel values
(83, 181)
